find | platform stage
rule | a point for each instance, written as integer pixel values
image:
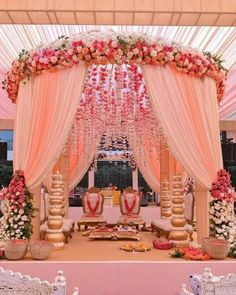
(122, 278)
(112, 214)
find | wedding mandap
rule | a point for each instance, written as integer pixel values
(159, 97)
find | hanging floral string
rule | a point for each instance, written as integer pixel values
(112, 48)
(114, 109)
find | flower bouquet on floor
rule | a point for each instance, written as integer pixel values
(222, 219)
(18, 211)
(190, 253)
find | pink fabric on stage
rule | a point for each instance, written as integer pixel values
(46, 106)
(227, 108)
(186, 107)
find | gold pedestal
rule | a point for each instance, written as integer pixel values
(166, 200)
(178, 233)
(54, 233)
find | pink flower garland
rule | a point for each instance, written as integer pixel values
(19, 208)
(222, 189)
(117, 49)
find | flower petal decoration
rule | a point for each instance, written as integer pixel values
(98, 47)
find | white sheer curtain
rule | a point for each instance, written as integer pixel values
(81, 157)
(147, 158)
(46, 106)
(186, 108)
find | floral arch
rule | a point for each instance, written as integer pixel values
(111, 79)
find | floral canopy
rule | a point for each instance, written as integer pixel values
(103, 48)
(130, 83)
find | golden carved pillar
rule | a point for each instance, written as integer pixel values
(167, 165)
(62, 165)
(55, 222)
(178, 233)
(166, 200)
(202, 212)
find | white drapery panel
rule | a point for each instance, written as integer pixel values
(147, 159)
(186, 108)
(227, 108)
(81, 157)
(46, 106)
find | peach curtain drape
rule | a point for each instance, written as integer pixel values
(227, 109)
(186, 108)
(46, 106)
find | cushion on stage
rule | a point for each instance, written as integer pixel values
(92, 218)
(135, 219)
(165, 224)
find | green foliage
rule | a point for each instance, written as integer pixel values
(232, 252)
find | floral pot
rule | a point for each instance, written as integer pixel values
(41, 250)
(162, 244)
(16, 249)
(216, 248)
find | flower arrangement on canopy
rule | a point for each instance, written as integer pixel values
(110, 47)
(19, 209)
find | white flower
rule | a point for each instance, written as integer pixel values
(21, 212)
(24, 218)
(135, 51)
(114, 44)
(15, 226)
(70, 51)
(17, 231)
(53, 60)
(79, 48)
(18, 193)
(129, 55)
(74, 57)
(217, 206)
(15, 210)
(232, 231)
(153, 53)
